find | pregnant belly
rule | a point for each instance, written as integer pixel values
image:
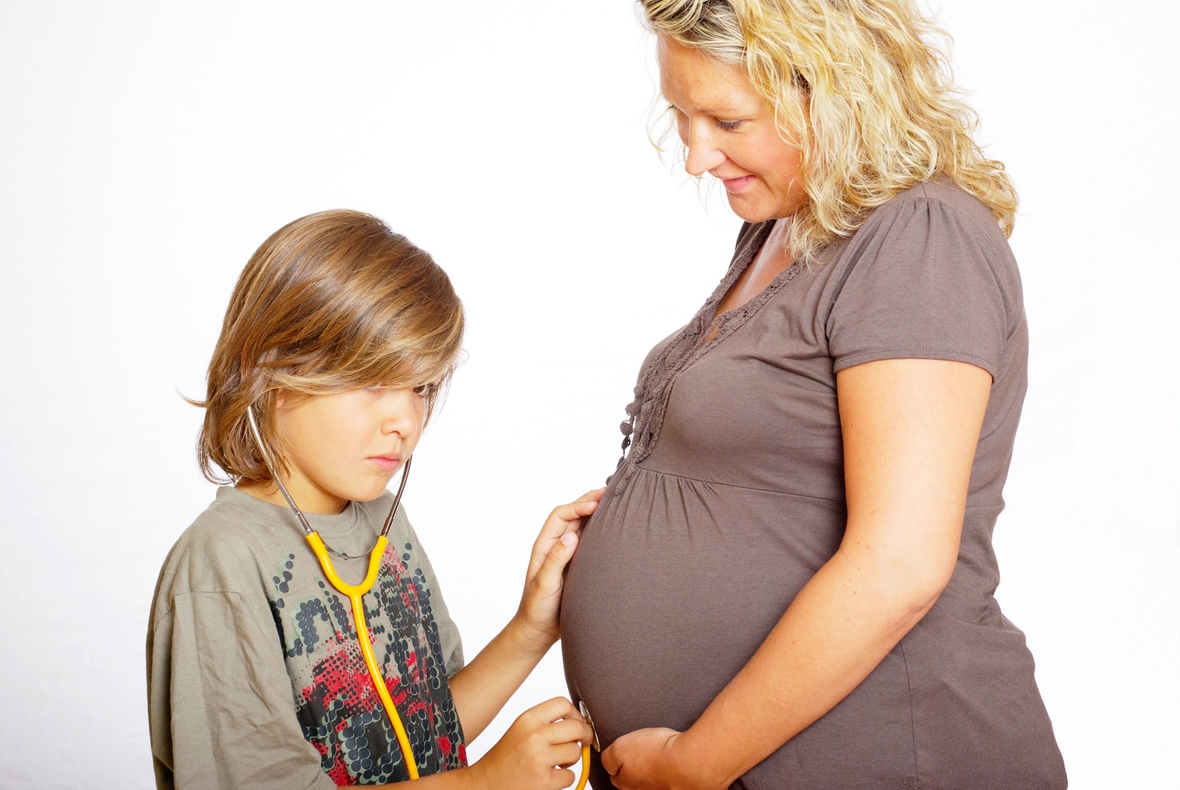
(675, 585)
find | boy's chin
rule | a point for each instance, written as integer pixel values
(369, 493)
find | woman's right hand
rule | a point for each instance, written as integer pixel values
(537, 749)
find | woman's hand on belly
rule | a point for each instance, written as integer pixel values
(649, 760)
(910, 431)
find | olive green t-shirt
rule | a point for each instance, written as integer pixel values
(255, 674)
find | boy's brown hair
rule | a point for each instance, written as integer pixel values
(330, 302)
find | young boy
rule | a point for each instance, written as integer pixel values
(338, 339)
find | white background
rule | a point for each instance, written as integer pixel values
(147, 148)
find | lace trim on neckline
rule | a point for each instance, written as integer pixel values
(646, 412)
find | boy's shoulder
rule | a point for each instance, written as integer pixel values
(239, 543)
(222, 550)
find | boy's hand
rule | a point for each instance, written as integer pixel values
(541, 602)
(537, 750)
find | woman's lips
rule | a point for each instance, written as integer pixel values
(735, 185)
(389, 463)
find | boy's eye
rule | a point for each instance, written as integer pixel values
(425, 390)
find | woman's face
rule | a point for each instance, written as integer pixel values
(730, 133)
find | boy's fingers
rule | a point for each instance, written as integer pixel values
(580, 507)
(552, 710)
(563, 548)
(563, 515)
(571, 731)
(548, 576)
(566, 752)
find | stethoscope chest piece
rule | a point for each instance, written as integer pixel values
(585, 711)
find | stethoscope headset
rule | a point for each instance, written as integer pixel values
(355, 592)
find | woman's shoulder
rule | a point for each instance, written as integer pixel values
(947, 206)
(935, 225)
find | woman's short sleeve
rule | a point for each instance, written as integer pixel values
(925, 278)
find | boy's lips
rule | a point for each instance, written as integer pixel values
(387, 462)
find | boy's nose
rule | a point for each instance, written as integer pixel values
(403, 412)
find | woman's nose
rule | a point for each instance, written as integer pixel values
(703, 154)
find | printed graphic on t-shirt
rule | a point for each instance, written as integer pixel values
(340, 711)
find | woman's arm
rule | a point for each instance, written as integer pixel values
(910, 430)
(482, 687)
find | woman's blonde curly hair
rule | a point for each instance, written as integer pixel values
(859, 88)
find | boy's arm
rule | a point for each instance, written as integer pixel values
(482, 687)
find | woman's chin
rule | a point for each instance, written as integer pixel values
(751, 210)
(757, 203)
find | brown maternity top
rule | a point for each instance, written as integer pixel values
(732, 497)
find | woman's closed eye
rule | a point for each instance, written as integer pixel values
(682, 117)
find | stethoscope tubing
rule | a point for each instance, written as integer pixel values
(355, 593)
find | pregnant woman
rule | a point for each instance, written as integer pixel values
(789, 581)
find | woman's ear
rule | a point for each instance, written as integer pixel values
(280, 398)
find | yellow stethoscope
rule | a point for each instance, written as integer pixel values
(355, 593)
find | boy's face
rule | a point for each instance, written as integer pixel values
(348, 445)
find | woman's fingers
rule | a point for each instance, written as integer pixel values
(611, 759)
(644, 759)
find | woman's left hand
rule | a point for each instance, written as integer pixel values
(649, 760)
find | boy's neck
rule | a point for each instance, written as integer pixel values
(309, 501)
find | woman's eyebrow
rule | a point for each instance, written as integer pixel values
(717, 109)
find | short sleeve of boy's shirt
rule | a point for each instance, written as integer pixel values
(238, 604)
(929, 276)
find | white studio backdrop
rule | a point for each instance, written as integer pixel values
(148, 148)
